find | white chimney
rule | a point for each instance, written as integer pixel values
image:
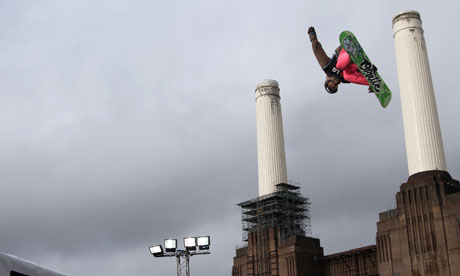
(270, 139)
(424, 145)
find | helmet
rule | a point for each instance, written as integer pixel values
(328, 89)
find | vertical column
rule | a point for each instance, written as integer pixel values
(424, 147)
(271, 155)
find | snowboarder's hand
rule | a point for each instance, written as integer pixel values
(311, 33)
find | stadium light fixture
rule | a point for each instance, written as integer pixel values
(170, 245)
(203, 242)
(190, 243)
(156, 250)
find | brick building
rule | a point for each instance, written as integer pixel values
(422, 235)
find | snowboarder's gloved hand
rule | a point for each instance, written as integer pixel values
(311, 33)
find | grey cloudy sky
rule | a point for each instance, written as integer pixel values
(127, 122)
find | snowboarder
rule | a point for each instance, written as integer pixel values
(338, 68)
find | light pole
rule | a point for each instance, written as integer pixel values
(190, 245)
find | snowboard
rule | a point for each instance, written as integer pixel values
(365, 66)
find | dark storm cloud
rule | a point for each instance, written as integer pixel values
(124, 123)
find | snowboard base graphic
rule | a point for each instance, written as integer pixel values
(365, 66)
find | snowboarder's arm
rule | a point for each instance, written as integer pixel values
(318, 50)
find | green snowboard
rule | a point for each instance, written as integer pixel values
(359, 57)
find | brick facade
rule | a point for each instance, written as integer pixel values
(356, 262)
(421, 237)
(269, 255)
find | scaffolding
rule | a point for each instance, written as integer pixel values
(286, 209)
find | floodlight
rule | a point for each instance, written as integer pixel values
(190, 243)
(203, 242)
(156, 250)
(170, 245)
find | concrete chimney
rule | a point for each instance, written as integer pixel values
(425, 150)
(271, 156)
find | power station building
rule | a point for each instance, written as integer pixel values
(420, 237)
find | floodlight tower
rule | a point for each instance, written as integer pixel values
(190, 245)
(271, 156)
